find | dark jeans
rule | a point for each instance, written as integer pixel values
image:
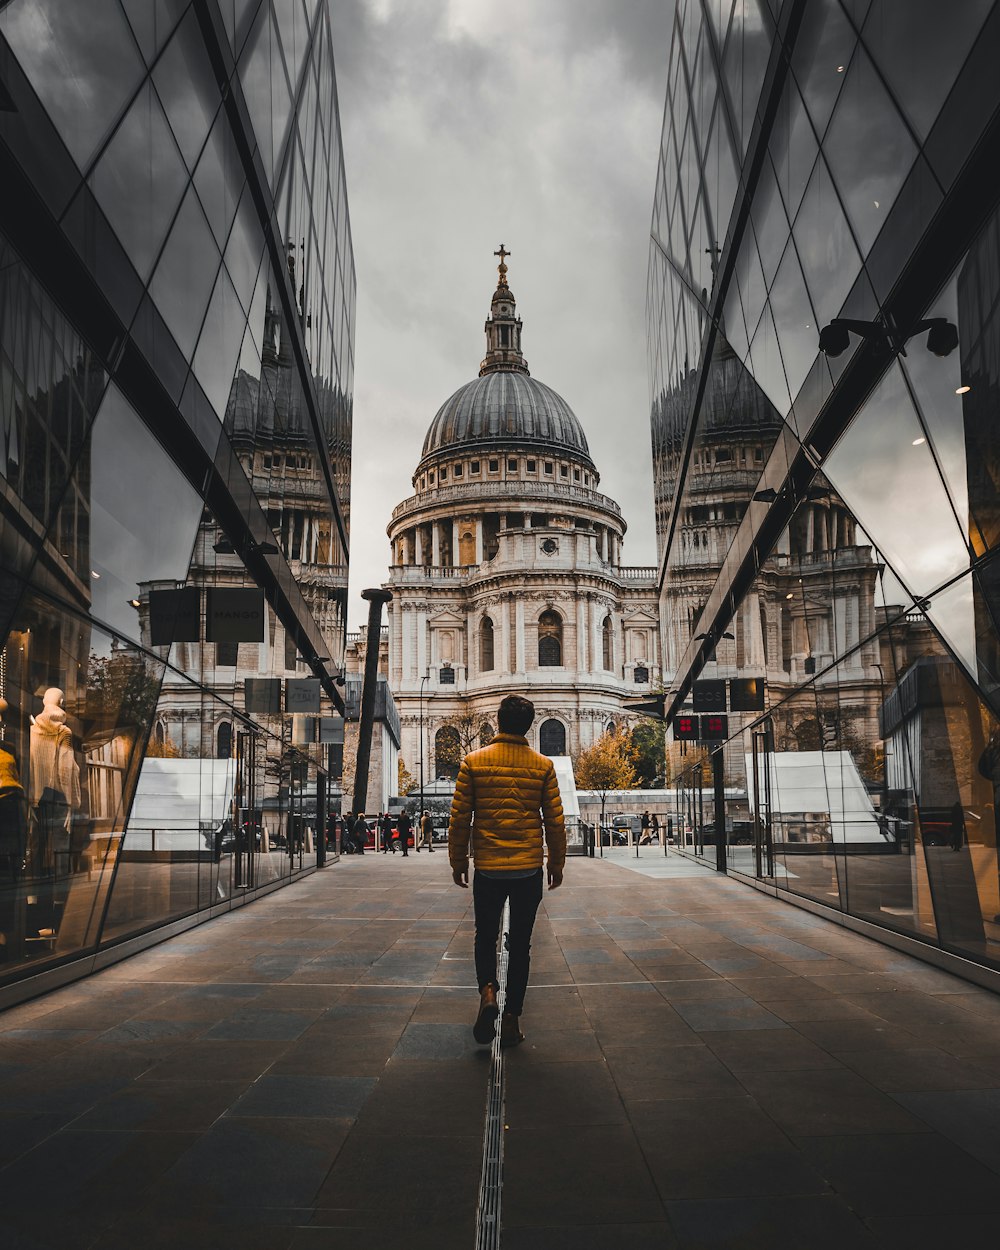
(489, 895)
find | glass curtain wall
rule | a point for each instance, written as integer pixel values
(176, 369)
(828, 521)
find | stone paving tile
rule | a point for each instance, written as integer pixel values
(327, 1027)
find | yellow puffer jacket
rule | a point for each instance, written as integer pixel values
(505, 794)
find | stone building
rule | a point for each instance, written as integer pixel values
(507, 571)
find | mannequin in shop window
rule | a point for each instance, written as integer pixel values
(55, 785)
(12, 806)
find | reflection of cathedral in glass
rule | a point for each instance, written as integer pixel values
(826, 520)
(176, 370)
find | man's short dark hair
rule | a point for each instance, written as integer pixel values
(515, 715)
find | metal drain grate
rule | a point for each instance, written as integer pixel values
(491, 1183)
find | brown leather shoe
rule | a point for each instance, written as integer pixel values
(510, 1030)
(486, 1022)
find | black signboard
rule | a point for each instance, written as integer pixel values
(709, 696)
(302, 694)
(331, 730)
(174, 616)
(687, 728)
(262, 695)
(746, 694)
(234, 615)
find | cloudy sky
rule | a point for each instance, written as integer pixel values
(466, 124)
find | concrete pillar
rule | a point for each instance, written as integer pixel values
(435, 543)
(519, 635)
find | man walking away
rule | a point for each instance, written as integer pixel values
(384, 827)
(403, 825)
(426, 832)
(506, 799)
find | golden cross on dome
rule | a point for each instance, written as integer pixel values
(502, 253)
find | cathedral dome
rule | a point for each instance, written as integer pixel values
(505, 407)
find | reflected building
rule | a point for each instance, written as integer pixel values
(176, 371)
(826, 520)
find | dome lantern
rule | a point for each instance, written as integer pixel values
(503, 327)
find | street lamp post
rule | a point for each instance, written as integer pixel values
(421, 712)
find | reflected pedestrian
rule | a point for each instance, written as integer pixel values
(384, 826)
(957, 838)
(506, 798)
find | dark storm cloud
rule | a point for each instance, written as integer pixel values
(470, 122)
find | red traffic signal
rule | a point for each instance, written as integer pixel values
(714, 728)
(687, 728)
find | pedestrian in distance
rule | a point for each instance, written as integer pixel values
(426, 832)
(385, 830)
(507, 804)
(654, 829)
(360, 833)
(403, 826)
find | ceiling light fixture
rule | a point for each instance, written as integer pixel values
(962, 390)
(917, 441)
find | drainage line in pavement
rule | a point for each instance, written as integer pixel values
(491, 1183)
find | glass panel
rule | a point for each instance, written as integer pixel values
(869, 149)
(219, 346)
(793, 320)
(920, 49)
(828, 254)
(82, 61)
(152, 21)
(187, 86)
(143, 517)
(884, 470)
(77, 712)
(139, 180)
(185, 274)
(792, 145)
(823, 50)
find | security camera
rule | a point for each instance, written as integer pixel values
(834, 339)
(942, 337)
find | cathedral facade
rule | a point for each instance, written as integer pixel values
(507, 572)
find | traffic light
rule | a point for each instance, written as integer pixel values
(714, 728)
(687, 728)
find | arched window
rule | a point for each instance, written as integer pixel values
(549, 639)
(224, 741)
(607, 645)
(158, 734)
(552, 737)
(486, 645)
(447, 752)
(611, 727)
(485, 734)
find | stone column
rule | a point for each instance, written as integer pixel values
(404, 616)
(435, 543)
(478, 522)
(504, 665)
(519, 635)
(420, 624)
(596, 636)
(418, 545)
(581, 635)
(455, 557)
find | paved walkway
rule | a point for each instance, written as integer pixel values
(706, 1067)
